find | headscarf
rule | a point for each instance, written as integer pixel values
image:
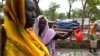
(20, 41)
(92, 31)
(47, 35)
(93, 28)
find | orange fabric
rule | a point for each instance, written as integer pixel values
(92, 29)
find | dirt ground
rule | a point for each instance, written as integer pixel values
(73, 52)
(65, 48)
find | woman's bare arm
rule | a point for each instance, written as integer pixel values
(59, 36)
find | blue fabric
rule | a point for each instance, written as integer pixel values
(98, 27)
(67, 23)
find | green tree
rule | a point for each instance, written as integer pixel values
(88, 6)
(70, 7)
(61, 16)
(76, 13)
(95, 12)
(48, 14)
(84, 3)
(52, 8)
(92, 18)
(91, 6)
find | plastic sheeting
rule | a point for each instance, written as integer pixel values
(98, 26)
(67, 23)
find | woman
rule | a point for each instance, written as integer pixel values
(92, 37)
(17, 36)
(46, 34)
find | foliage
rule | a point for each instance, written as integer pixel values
(70, 7)
(71, 1)
(96, 13)
(53, 6)
(48, 14)
(52, 9)
(92, 8)
(92, 18)
(61, 16)
(77, 13)
(89, 9)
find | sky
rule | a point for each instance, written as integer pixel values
(64, 6)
